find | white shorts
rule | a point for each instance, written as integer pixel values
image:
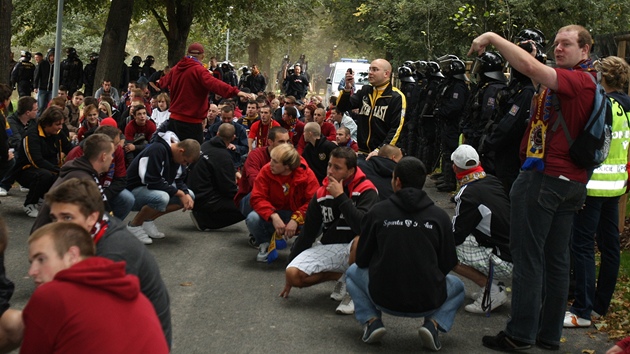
(323, 258)
(470, 253)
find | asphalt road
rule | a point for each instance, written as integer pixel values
(223, 301)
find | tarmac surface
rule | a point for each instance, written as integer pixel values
(223, 301)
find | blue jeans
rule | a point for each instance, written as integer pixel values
(358, 280)
(122, 204)
(154, 199)
(542, 211)
(244, 205)
(43, 97)
(262, 229)
(600, 216)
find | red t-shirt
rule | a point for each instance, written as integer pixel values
(132, 130)
(576, 92)
(259, 132)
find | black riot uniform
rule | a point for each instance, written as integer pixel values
(500, 144)
(135, 71)
(489, 68)
(415, 102)
(428, 146)
(89, 73)
(147, 68)
(22, 74)
(450, 105)
(72, 71)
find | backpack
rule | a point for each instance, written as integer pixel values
(590, 148)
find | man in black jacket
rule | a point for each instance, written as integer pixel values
(213, 179)
(379, 169)
(317, 150)
(404, 255)
(482, 230)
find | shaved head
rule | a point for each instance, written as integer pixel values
(380, 72)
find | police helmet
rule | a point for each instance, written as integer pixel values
(26, 55)
(434, 69)
(458, 70)
(71, 52)
(523, 40)
(489, 64)
(405, 74)
(420, 67)
(136, 60)
(445, 62)
(409, 64)
(149, 60)
(244, 69)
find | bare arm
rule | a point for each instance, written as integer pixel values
(518, 58)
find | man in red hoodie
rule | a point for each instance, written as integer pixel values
(189, 84)
(84, 303)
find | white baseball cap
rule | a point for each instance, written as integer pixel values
(465, 157)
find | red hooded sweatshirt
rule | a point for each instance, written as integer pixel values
(91, 307)
(189, 84)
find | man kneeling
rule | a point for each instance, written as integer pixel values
(84, 304)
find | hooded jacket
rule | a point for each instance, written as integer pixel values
(407, 243)
(189, 84)
(155, 168)
(255, 161)
(317, 156)
(91, 307)
(340, 218)
(276, 192)
(379, 170)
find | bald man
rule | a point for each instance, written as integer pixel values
(381, 108)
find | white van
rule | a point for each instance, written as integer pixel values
(338, 72)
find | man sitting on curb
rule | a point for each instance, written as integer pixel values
(404, 255)
(482, 230)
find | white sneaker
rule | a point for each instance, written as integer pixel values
(140, 234)
(31, 210)
(3, 192)
(339, 291)
(151, 230)
(346, 307)
(262, 252)
(497, 299)
(24, 189)
(573, 321)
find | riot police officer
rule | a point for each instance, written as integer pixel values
(428, 146)
(448, 110)
(501, 142)
(23, 73)
(488, 69)
(135, 71)
(242, 81)
(228, 74)
(72, 71)
(89, 74)
(413, 102)
(147, 68)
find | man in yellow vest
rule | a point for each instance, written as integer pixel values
(600, 214)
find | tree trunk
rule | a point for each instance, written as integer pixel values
(252, 50)
(6, 9)
(112, 53)
(179, 16)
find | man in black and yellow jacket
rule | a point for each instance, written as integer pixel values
(381, 108)
(43, 149)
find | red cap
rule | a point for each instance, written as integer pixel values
(195, 48)
(109, 121)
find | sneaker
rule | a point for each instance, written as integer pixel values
(573, 321)
(502, 342)
(373, 332)
(3, 192)
(346, 307)
(339, 291)
(429, 335)
(262, 252)
(496, 299)
(24, 189)
(31, 210)
(151, 230)
(252, 241)
(195, 222)
(140, 234)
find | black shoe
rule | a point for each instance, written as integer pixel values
(502, 342)
(446, 187)
(373, 332)
(546, 346)
(429, 335)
